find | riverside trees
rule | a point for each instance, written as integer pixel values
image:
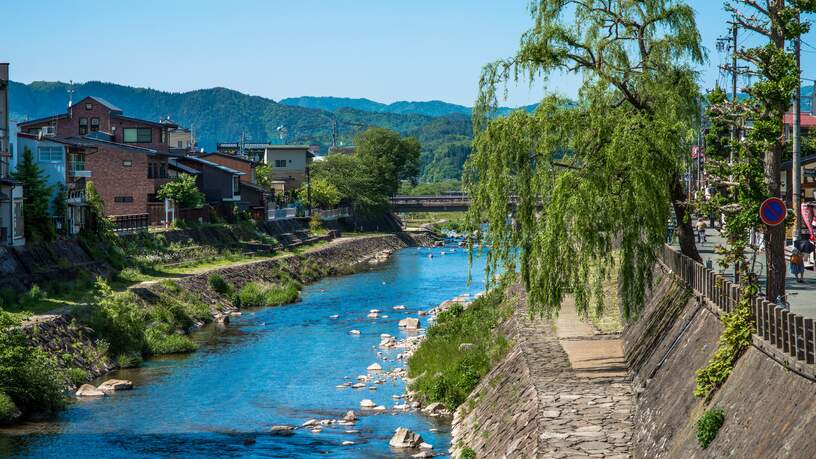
(603, 174)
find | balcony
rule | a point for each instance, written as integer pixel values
(76, 197)
(78, 170)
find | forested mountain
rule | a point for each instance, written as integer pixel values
(427, 108)
(222, 115)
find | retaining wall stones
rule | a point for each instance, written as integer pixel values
(770, 411)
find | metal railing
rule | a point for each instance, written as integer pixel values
(281, 214)
(130, 223)
(333, 214)
(782, 329)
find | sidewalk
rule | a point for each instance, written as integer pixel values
(802, 297)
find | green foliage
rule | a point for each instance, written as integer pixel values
(446, 162)
(325, 194)
(389, 157)
(263, 175)
(27, 374)
(36, 199)
(115, 317)
(160, 341)
(467, 453)
(355, 180)
(31, 298)
(77, 376)
(446, 372)
(254, 295)
(735, 339)
(708, 425)
(593, 175)
(431, 189)
(8, 410)
(316, 225)
(219, 285)
(98, 228)
(183, 190)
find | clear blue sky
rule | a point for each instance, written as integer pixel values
(384, 50)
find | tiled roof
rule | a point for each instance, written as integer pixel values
(101, 101)
(181, 167)
(212, 164)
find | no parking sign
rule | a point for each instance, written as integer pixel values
(772, 212)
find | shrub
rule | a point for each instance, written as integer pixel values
(77, 376)
(251, 295)
(129, 360)
(8, 296)
(468, 453)
(287, 293)
(116, 317)
(31, 298)
(161, 342)
(8, 410)
(219, 285)
(446, 373)
(27, 374)
(708, 425)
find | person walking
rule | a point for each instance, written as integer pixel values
(797, 265)
(701, 230)
(670, 231)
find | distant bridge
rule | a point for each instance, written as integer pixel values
(442, 203)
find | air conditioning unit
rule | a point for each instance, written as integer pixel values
(49, 131)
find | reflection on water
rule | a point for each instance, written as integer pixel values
(269, 366)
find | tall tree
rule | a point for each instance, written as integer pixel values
(391, 158)
(769, 98)
(36, 194)
(600, 176)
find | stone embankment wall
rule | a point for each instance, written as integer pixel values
(533, 404)
(39, 263)
(770, 411)
(74, 345)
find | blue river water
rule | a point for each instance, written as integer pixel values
(270, 366)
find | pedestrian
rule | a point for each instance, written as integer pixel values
(701, 230)
(797, 265)
(670, 231)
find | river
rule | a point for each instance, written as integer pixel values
(270, 366)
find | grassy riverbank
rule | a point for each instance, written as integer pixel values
(460, 348)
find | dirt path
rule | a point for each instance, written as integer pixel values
(590, 355)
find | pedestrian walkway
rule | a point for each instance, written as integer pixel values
(590, 355)
(801, 296)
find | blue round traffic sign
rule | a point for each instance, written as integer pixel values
(772, 211)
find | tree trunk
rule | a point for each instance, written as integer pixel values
(774, 236)
(685, 232)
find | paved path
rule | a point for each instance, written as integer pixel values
(586, 400)
(802, 297)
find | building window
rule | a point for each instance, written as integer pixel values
(179, 143)
(236, 186)
(156, 170)
(49, 154)
(88, 106)
(138, 135)
(123, 199)
(77, 161)
(280, 163)
(94, 124)
(19, 226)
(83, 126)
(127, 163)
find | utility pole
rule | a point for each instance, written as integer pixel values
(796, 167)
(734, 30)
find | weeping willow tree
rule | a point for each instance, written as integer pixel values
(597, 178)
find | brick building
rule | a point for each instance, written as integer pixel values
(126, 158)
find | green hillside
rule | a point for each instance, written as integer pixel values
(221, 115)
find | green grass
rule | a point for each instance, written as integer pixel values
(159, 341)
(255, 295)
(446, 372)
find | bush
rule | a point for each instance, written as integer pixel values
(468, 453)
(254, 295)
(161, 342)
(117, 318)
(708, 425)
(130, 360)
(219, 285)
(77, 376)
(251, 295)
(27, 374)
(8, 297)
(31, 298)
(447, 374)
(8, 410)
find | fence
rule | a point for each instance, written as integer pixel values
(130, 223)
(788, 332)
(333, 214)
(281, 214)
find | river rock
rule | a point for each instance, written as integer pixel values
(367, 404)
(344, 385)
(335, 316)
(436, 409)
(409, 323)
(374, 311)
(350, 416)
(354, 332)
(373, 315)
(309, 423)
(88, 390)
(284, 431)
(426, 445)
(424, 453)
(113, 385)
(358, 385)
(404, 438)
(399, 308)
(380, 408)
(374, 367)
(347, 443)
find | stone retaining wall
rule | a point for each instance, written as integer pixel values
(770, 411)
